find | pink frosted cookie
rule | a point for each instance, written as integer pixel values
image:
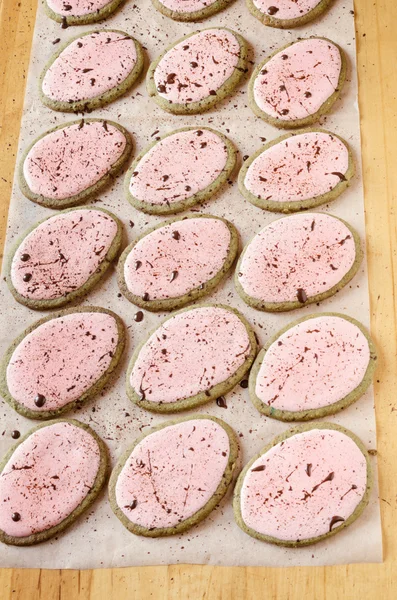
(196, 355)
(173, 476)
(297, 260)
(63, 257)
(298, 83)
(91, 70)
(286, 14)
(189, 10)
(177, 262)
(313, 368)
(61, 361)
(305, 486)
(184, 168)
(73, 162)
(197, 71)
(80, 12)
(52, 475)
(297, 171)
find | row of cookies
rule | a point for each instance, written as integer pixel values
(75, 161)
(274, 13)
(171, 478)
(293, 87)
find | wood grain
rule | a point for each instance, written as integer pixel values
(377, 53)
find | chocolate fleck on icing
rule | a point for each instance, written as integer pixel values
(328, 478)
(145, 297)
(25, 257)
(176, 235)
(301, 295)
(27, 277)
(259, 468)
(174, 275)
(138, 264)
(39, 400)
(16, 517)
(335, 520)
(309, 469)
(272, 10)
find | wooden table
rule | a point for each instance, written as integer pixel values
(377, 58)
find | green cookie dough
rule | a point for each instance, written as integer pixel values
(315, 413)
(304, 542)
(42, 304)
(191, 108)
(88, 104)
(89, 192)
(311, 118)
(94, 389)
(42, 536)
(198, 198)
(204, 289)
(94, 17)
(206, 395)
(273, 21)
(204, 511)
(294, 206)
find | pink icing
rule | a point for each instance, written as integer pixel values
(202, 63)
(187, 6)
(90, 66)
(196, 256)
(298, 168)
(61, 359)
(286, 9)
(79, 7)
(72, 159)
(47, 477)
(311, 66)
(64, 251)
(313, 364)
(179, 166)
(190, 353)
(172, 473)
(280, 501)
(311, 252)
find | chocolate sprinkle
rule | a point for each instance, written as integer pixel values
(174, 275)
(16, 516)
(176, 235)
(27, 277)
(335, 520)
(308, 95)
(138, 317)
(260, 468)
(221, 402)
(39, 400)
(272, 10)
(244, 384)
(145, 297)
(133, 504)
(15, 434)
(340, 175)
(308, 469)
(301, 295)
(138, 264)
(25, 257)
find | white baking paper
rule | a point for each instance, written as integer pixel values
(98, 539)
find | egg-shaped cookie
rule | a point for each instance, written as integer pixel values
(307, 485)
(177, 262)
(48, 479)
(297, 171)
(196, 355)
(91, 70)
(312, 368)
(286, 14)
(80, 12)
(73, 162)
(183, 168)
(297, 260)
(189, 10)
(61, 361)
(198, 71)
(298, 83)
(172, 477)
(63, 257)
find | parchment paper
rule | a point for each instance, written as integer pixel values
(98, 539)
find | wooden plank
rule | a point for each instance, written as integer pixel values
(377, 52)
